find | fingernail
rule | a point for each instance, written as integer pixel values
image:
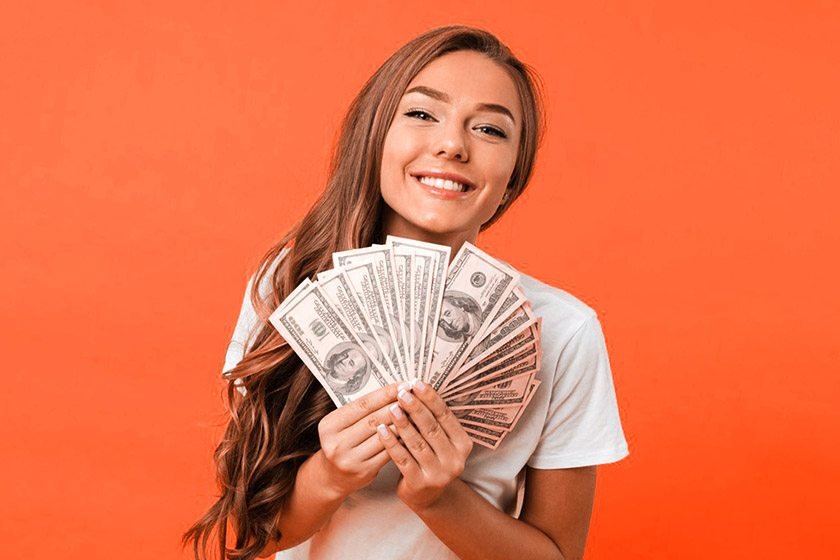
(404, 386)
(419, 385)
(405, 397)
(383, 431)
(396, 411)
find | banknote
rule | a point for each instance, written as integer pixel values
(525, 343)
(489, 426)
(508, 392)
(343, 361)
(483, 440)
(512, 302)
(439, 255)
(364, 280)
(526, 361)
(408, 309)
(476, 286)
(420, 274)
(340, 292)
(494, 340)
(379, 256)
(500, 418)
(484, 435)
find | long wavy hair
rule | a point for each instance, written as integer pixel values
(273, 426)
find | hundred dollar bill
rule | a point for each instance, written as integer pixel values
(521, 336)
(485, 436)
(401, 266)
(485, 430)
(380, 257)
(439, 255)
(513, 302)
(492, 340)
(528, 336)
(510, 367)
(343, 363)
(338, 289)
(483, 440)
(293, 295)
(476, 286)
(363, 278)
(328, 274)
(420, 274)
(499, 418)
(508, 392)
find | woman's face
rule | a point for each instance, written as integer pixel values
(460, 119)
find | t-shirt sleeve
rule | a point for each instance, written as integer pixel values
(248, 319)
(244, 325)
(582, 426)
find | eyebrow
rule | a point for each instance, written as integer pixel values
(441, 96)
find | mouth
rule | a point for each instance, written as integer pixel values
(446, 188)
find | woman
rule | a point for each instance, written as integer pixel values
(437, 146)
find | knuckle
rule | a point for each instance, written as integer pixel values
(401, 460)
(323, 426)
(447, 415)
(329, 449)
(435, 430)
(419, 446)
(364, 403)
(343, 465)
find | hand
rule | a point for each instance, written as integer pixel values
(351, 452)
(435, 447)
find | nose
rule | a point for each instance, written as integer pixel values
(451, 143)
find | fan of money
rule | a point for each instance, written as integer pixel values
(400, 311)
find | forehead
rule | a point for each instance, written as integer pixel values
(470, 78)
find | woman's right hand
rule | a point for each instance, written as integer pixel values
(351, 451)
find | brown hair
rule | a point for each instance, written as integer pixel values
(273, 426)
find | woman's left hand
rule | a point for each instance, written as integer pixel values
(434, 446)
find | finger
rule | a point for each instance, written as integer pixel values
(426, 423)
(379, 460)
(443, 414)
(413, 441)
(404, 461)
(366, 427)
(369, 448)
(351, 413)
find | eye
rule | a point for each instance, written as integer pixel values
(415, 112)
(493, 131)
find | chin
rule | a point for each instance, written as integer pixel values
(438, 227)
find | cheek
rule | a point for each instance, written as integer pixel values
(397, 150)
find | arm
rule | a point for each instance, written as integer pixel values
(311, 504)
(351, 455)
(554, 521)
(556, 513)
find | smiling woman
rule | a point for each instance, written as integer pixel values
(436, 146)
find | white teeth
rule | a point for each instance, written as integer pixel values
(442, 184)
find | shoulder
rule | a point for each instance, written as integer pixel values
(249, 321)
(563, 314)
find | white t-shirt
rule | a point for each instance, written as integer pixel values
(572, 421)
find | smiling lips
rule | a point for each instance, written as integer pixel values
(441, 184)
(444, 181)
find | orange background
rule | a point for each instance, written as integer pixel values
(686, 189)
